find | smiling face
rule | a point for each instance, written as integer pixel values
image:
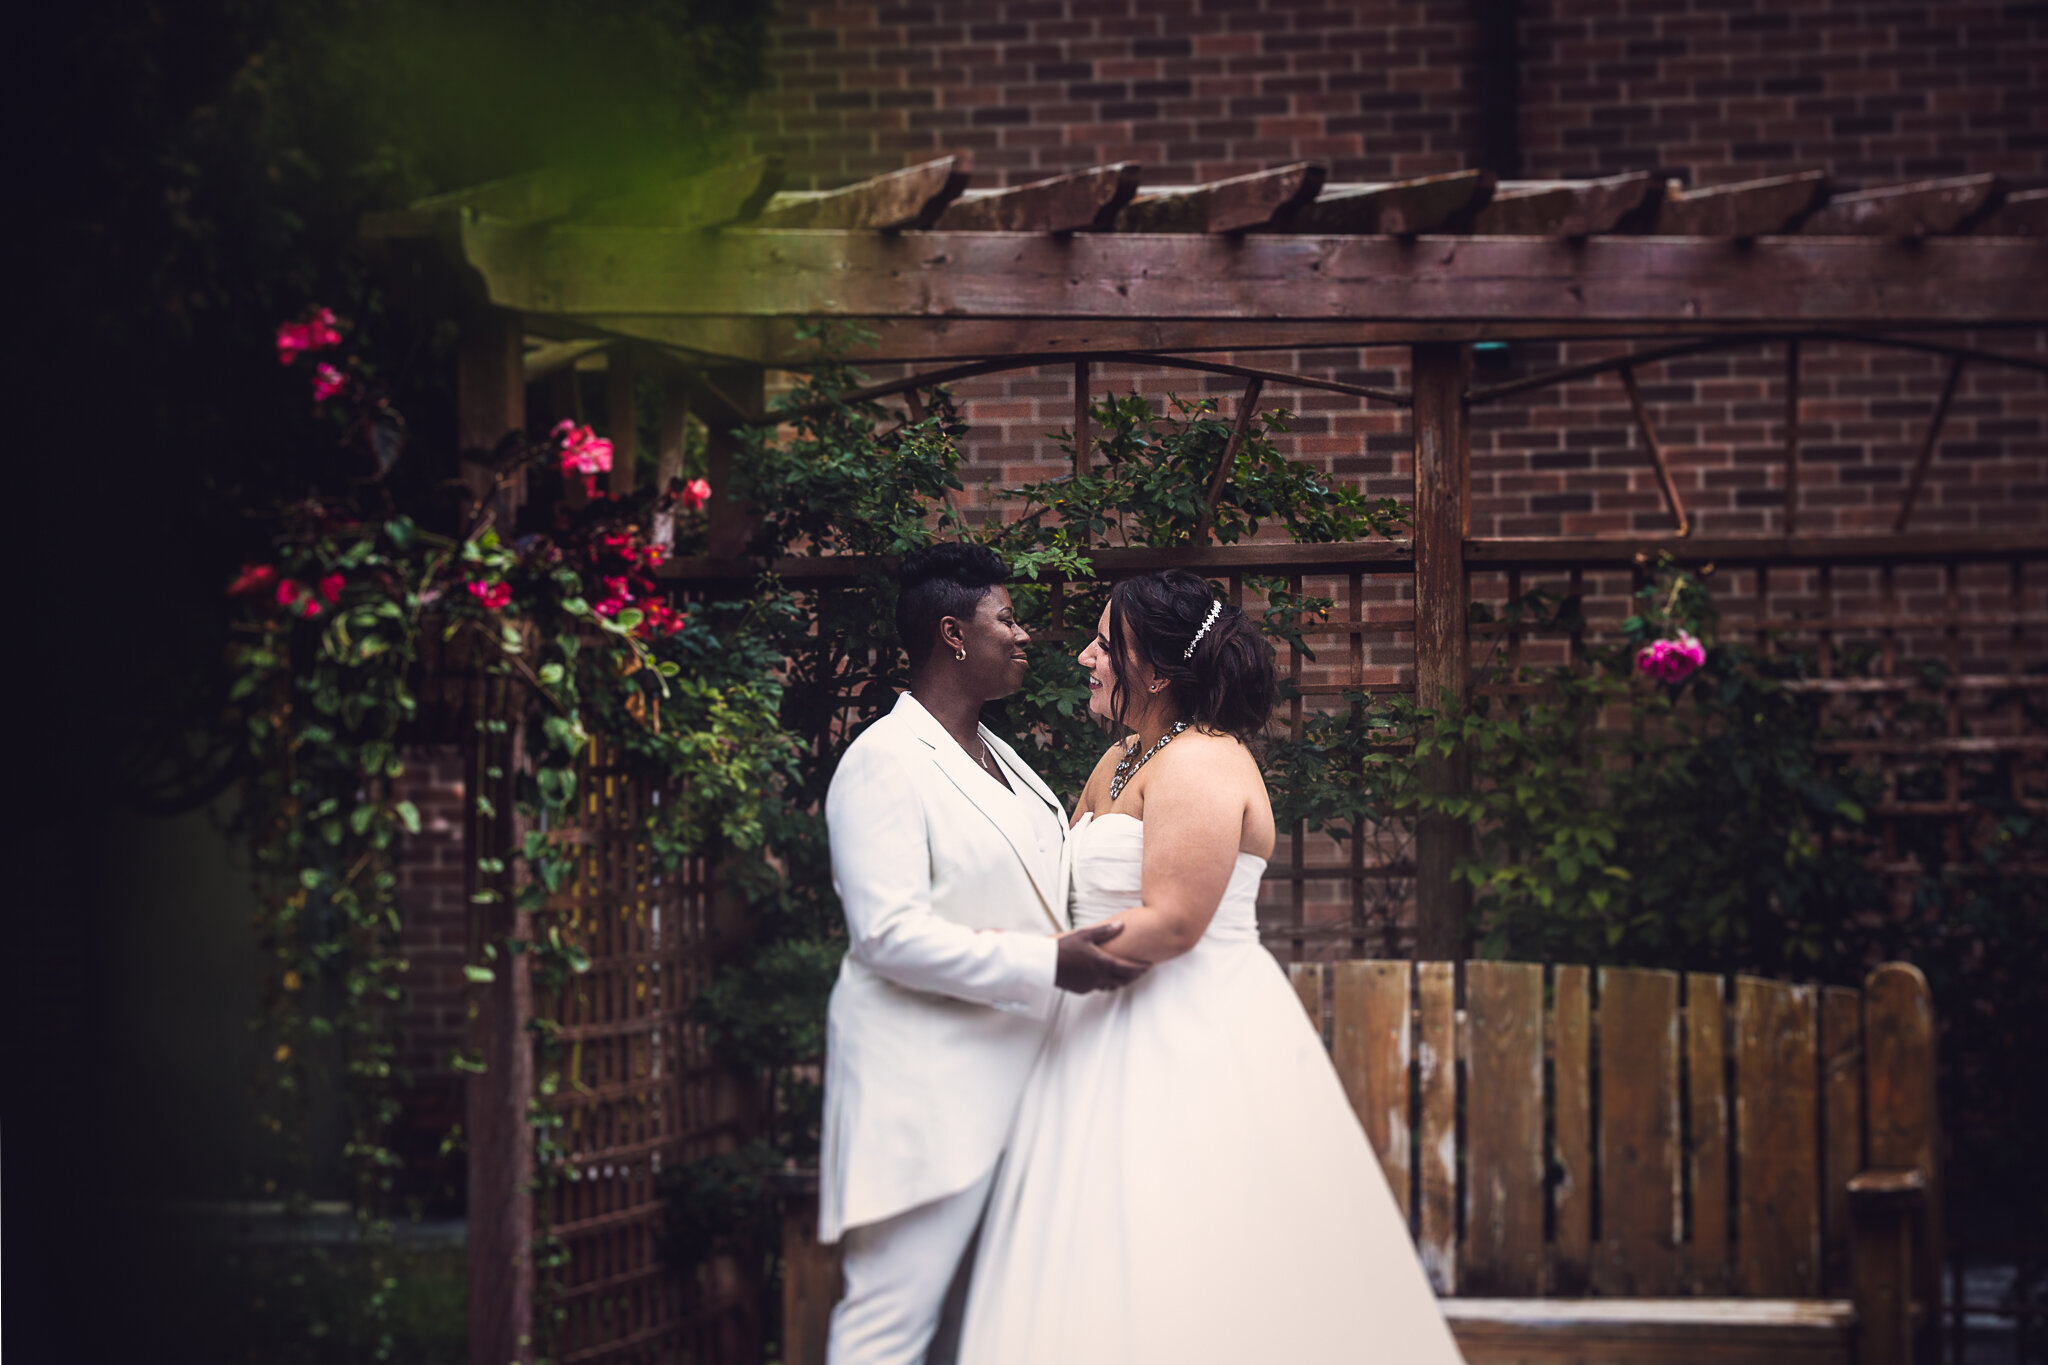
(996, 662)
(1102, 698)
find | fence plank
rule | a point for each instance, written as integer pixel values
(1504, 1129)
(1436, 1050)
(1372, 1043)
(1899, 1048)
(1778, 1184)
(1841, 1078)
(1571, 1190)
(1308, 988)
(1706, 1035)
(1638, 1048)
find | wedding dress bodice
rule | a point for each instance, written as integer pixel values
(1109, 856)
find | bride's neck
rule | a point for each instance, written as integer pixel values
(1151, 726)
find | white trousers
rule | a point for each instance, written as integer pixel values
(898, 1273)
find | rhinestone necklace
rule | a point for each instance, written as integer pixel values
(1127, 766)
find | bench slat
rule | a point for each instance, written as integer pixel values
(1504, 1128)
(1652, 1331)
(1372, 1043)
(1706, 1043)
(1571, 1253)
(1776, 1119)
(1638, 1045)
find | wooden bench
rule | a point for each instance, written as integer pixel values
(1625, 1167)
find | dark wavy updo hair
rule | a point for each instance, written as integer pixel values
(1229, 683)
(945, 579)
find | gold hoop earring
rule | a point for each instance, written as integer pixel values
(961, 655)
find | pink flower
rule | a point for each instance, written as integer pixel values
(293, 595)
(583, 451)
(695, 494)
(252, 578)
(327, 382)
(1671, 661)
(493, 595)
(330, 588)
(317, 334)
(662, 619)
(617, 588)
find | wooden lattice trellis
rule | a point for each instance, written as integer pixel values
(639, 1091)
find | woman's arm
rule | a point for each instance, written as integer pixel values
(1194, 819)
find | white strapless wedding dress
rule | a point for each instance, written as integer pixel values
(1186, 1183)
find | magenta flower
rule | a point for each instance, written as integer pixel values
(331, 586)
(493, 596)
(695, 494)
(1671, 661)
(315, 334)
(583, 451)
(252, 578)
(327, 382)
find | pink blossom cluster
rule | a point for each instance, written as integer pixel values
(1671, 661)
(289, 593)
(493, 596)
(695, 494)
(583, 452)
(316, 334)
(327, 382)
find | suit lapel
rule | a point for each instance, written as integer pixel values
(983, 791)
(1019, 769)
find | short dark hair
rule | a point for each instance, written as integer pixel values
(948, 578)
(1228, 684)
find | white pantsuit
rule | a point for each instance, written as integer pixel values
(954, 888)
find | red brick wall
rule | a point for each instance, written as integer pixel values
(1707, 90)
(1721, 90)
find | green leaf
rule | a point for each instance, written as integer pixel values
(478, 975)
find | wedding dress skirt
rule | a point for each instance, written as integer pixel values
(1186, 1183)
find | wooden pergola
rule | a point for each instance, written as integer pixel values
(711, 280)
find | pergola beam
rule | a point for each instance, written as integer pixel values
(1217, 288)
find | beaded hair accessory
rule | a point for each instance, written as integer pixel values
(1215, 610)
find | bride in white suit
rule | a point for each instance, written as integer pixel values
(948, 856)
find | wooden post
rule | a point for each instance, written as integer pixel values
(811, 1280)
(1883, 1207)
(731, 523)
(1443, 657)
(619, 378)
(490, 405)
(668, 450)
(1905, 1124)
(500, 1164)
(490, 399)
(1081, 451)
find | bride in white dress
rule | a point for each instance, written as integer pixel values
(1186, 1183)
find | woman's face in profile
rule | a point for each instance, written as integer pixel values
(995, 645)
(1102, 676)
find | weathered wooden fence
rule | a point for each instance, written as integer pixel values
(1619, 1165)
